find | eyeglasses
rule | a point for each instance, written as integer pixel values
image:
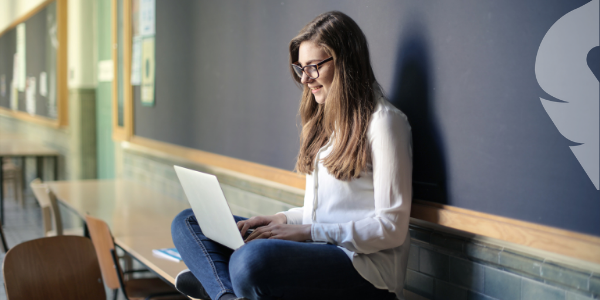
(312, 71)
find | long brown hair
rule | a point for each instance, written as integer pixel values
(347, 110)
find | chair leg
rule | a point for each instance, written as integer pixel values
(119, 272)
(4, 244)
(127, 265)
(18, 189)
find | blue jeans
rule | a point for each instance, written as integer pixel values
(270, 269)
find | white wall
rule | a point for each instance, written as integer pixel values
(82, 59)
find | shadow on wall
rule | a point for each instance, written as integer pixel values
(412, 93)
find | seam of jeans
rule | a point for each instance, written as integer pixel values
(205, 254)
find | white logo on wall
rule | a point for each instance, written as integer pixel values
(562, 71)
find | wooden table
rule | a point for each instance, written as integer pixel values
(138, 216)
(21, 149)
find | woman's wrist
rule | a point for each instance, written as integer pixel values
(281, 218)
(308, 232)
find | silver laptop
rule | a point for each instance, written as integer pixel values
(210, 207)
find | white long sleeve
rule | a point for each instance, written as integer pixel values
(294, 215)
(387, 216)
(367, 217)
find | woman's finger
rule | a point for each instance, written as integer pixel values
(258, 233)
(247, 225)
(240, 224)
(254, 234)
(262, 235)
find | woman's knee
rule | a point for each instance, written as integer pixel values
(252, 268)
(179, 223)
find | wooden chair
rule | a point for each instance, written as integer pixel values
(62, 267)
(140, 288)
(50, 211)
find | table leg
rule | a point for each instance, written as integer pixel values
(86, 231)
(56, 168)
(2, 189)
(24, 173)
(39, 167)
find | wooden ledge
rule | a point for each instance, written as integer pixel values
(21, 115)
(571, 244)
(242, 166)
(568, 243)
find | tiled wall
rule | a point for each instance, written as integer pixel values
(441, 265)
(445, 266)
(246, 197)
(57, 139)
(76, 143)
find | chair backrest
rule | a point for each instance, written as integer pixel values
(61, 267)
(49, 205)
(104, 244)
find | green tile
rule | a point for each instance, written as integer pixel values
(531, 289)
(447, 291)
(477, 296)
(419, 234)
(242, 211)
(419, 284)
(413, 257)
(486, 253)
(447, 243)
(434, 264)
(574, 296)
(257, 203)
(502, 285)
(520, 263)
(565, 276)
(595, 285)
(290, 196)
(466, 273)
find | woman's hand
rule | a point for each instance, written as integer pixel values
(298, 233)
(259, 221)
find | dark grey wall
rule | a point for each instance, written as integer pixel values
(8, 48)
(462, 71)
(35, 40)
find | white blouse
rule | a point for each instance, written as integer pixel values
(367, 217)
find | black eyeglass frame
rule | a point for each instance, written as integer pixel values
(317, 65)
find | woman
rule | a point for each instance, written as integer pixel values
(356, 152)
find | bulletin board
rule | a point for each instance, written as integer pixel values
(37, 39)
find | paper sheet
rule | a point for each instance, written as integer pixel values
(147, 17)
(30, 96)
(148, 72)
(14, 95)
(21, 57)
(136, 60)
(43, 84)
(3, 86)
(105, 70)
(15, 69)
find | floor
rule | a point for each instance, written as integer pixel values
(24, 224)
(21, 224)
